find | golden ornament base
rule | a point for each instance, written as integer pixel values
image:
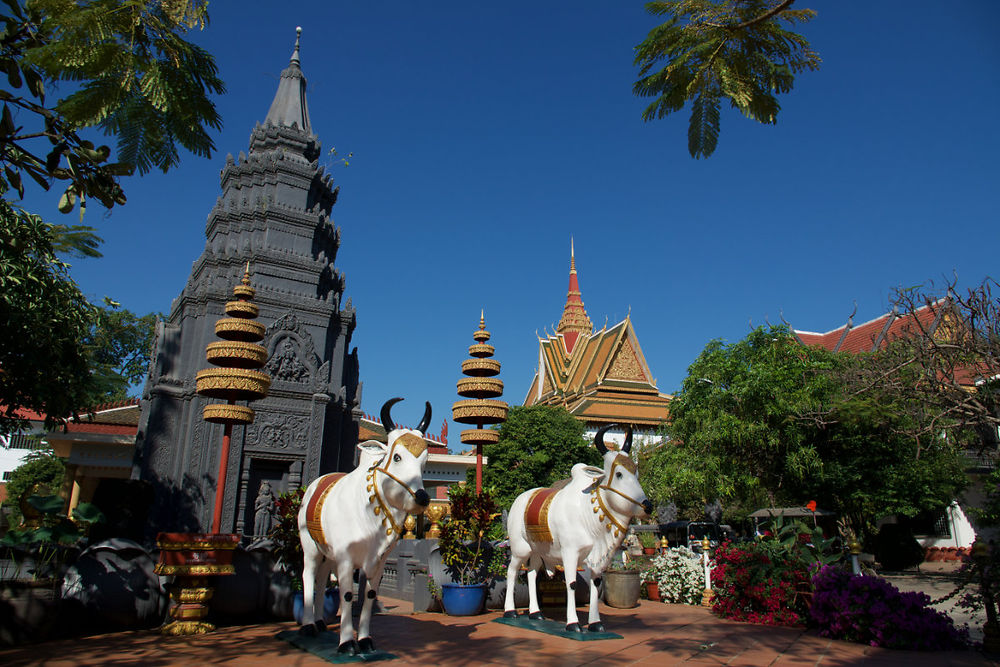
(706, 597)
(183, 628)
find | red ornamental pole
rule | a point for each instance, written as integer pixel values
(479, 468)
(220, 485)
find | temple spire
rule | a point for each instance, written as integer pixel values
(574, 318)
(289, 107)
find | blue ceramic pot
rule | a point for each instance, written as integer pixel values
(331, 604)
(463, 599)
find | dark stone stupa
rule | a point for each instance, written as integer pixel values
(275, 213)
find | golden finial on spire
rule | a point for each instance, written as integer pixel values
(246, 274)
(482, 318)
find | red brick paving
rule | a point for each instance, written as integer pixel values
(654, 634)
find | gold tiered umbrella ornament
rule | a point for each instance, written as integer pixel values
(480, 389)
(192, 557)
(237, 356)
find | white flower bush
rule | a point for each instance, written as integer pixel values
(679, 574)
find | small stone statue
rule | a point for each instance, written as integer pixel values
(263, 510)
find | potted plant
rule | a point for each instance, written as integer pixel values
(680, 576)
(649, 542)
(650, 583)
(466, 551)
(621, 584)
(288, 553)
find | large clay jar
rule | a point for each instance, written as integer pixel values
(621, 588)
(112, 586)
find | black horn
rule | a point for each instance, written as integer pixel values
(386, 417)
(627, 447)
(599, 438)
(426, 421)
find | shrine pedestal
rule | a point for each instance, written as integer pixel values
(193, 558)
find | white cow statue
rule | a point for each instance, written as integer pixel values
(578, 522)
(351, 521)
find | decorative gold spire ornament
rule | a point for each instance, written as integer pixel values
(480, 389)
(193, 558)
(237, 356)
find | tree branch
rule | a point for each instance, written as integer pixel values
(777, 9)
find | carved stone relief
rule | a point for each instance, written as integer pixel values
(278, 431)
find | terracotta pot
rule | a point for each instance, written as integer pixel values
(649, 551)
(653, 591)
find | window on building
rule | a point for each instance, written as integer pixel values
(931, 524)
(7, 475)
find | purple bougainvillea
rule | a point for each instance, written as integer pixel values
(870, 610)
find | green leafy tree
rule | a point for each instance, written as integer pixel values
(538, 445)
(767, 421)
(119, 344)
(40, 467)
(124, 68)
(127, 71)
(58, 352)
(45, 363)
(733, 429)
(711, 50)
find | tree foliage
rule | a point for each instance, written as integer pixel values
(58, 353)
(120, 345)
(538, 445)
(744, 430)
(41, 467)
(126, 70)
(123, 67)
(941, 362)
(711, 50)
(44, 364)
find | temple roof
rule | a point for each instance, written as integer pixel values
(574, 319)
(600, 377)
(872, 335)
(289, 107)
(934, 319)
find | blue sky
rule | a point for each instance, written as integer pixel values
(485, 135)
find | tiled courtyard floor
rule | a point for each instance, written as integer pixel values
(654, 634)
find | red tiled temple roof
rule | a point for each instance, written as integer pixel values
(877, 333)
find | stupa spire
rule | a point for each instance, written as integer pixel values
(289, 107)
(574, 319)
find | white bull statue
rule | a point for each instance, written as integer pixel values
(579, 521)
(351, 521)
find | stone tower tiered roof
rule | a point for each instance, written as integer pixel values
(275, 212)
